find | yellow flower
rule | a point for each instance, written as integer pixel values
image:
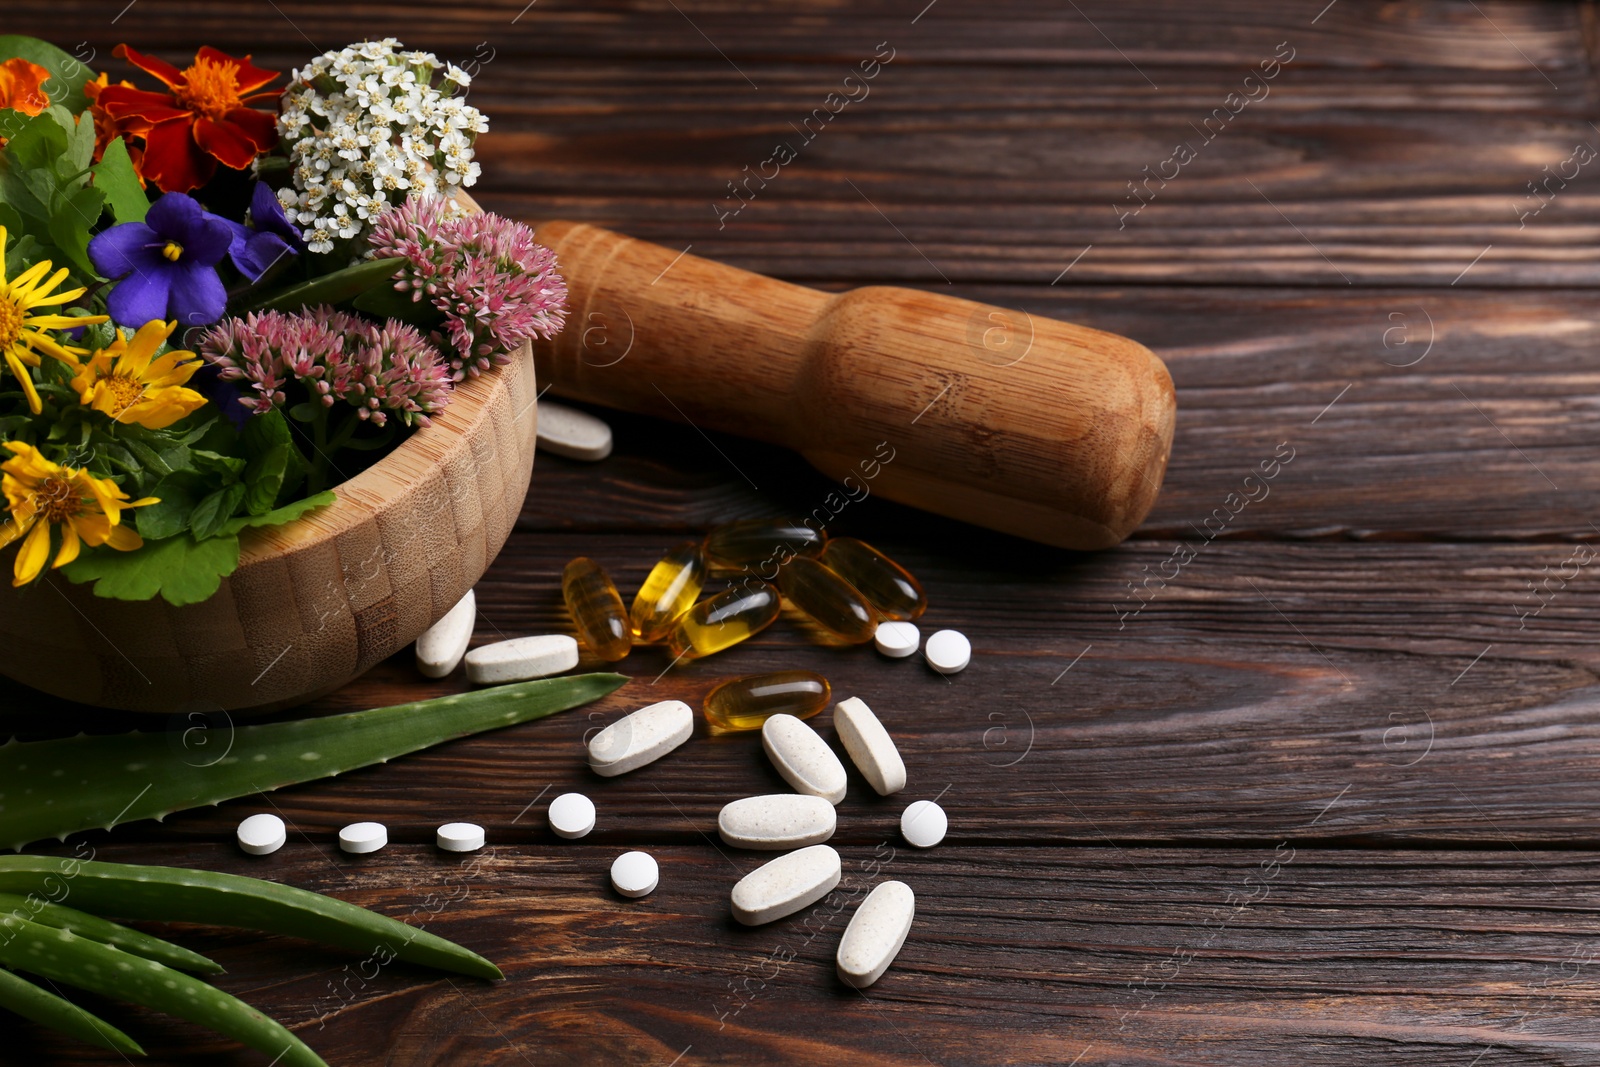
(42, 494)
(22, 331)
(125, 383)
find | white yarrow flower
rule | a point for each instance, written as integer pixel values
(365, 127)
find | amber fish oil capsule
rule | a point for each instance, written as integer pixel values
(828, 600)
(724, 620)
(670, 589)
(886, 585)
(596, 608)
(746, 703)
(756, 541)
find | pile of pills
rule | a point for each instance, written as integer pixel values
(843, 589)
(796, 824)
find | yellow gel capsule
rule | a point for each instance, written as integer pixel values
(828, 600)
(757, 541)
(746, 703)
(597, 609)
(669, 590)
(887, 586)
(724, 620)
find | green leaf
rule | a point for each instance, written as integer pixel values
(159, 463)
(178, 494)
(116, 178)
(37, 145)
(67, 75)
(213, 512)
(275, 462)
(228, 466)
(80, 145)
(279, 516)
(178, 569)
(264, 477)
(335, 288)
(76, 211)
(386, 302)
(264, 432)
(20, 246)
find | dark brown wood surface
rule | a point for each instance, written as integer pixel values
(1326, 793)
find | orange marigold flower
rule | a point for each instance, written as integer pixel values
(204, 118)
(22, 86)
(107, 128)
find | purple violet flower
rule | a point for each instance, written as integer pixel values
(255, 250)
(167, 264)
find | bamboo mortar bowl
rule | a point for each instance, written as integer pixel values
(315, 602)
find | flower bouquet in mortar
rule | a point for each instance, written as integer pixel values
(224, 292)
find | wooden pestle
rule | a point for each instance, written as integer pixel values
(1038, 428)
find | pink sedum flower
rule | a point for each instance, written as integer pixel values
(495, 285)
(382, 371)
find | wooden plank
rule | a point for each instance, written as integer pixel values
(1354, 35)
(1017, 956)
(1333, 691)
(629, 118)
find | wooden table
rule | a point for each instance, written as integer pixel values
(1325, 793)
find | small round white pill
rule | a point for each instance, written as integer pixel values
(923, 824)
(262, 835)
(635, 874)
(459, 837)
(361, 837)
(572, 815)
(897, 640)
(948, 651)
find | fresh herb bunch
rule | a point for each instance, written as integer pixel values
(182, 357)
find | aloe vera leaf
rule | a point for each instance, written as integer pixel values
(178, 894)
(35, 908)
(63, 956)
(44, 1007)
(54, 788)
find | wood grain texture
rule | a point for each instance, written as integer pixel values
(314, 603)
(1359, 693)
(1436, 913)
(1017, 956)
(1019, 423)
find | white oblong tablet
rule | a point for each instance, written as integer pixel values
(521, 658)
(897, 640)
(803, 757)
(786, 884)
(948, 651)
(876, 932)
(635, 874)
(924, 823)
(361, 837)
(572, 433)
(571, 815)
(778, 820)
(871, 748)
(262, 835)
(459, 837)
(442, 645)
(640, 738)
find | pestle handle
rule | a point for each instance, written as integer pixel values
(1035, 427)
